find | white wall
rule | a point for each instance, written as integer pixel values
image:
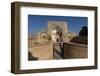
(5, 33)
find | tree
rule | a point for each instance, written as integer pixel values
(83, 31)
(83, 36)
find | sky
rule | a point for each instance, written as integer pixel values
(37, 23)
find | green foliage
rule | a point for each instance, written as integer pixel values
(83, 31)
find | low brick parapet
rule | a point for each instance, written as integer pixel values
(74, 50)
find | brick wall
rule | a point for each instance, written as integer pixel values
(42, 52)
(73, 50)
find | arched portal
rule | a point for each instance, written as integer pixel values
(56, 34)
(57, 30)
(59, 34)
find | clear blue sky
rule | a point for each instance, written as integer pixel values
(37, 23)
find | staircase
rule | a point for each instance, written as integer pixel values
(58, 51)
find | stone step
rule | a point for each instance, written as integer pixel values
(58, 52)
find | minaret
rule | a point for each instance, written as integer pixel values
(39, 36)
